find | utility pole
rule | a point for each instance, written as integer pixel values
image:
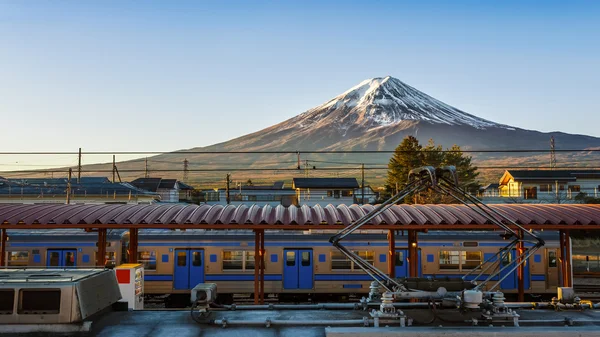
(306, 168)
(146, 169)
(227, 190)
(362, 184)
(298, 154)
(79, 168)
(114, 168)
(186, 171)
(69, 187)
(552, 154)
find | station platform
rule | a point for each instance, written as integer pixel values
(180, 324)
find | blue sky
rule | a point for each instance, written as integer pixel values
(167, 75)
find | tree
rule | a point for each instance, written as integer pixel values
(407, 156)
(467, 173)
(410, 154)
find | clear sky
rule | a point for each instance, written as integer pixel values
(166, 75)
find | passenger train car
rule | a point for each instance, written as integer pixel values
(296, 264)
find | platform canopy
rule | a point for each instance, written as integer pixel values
(536, 216)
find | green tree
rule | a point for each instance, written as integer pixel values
(410, 154)
(467, 173)
(407, 156)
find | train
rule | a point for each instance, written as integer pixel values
(299, 265)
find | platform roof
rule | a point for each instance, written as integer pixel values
(550, 216)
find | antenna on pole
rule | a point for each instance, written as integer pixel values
(114, 168)
(79, 167)
(69, 186)
(227, 189)
(146, 168)
(186, 170)
(552, 154)
(362, 184)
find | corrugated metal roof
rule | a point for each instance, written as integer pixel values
(179, 214)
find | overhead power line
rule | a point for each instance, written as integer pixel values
(226, 169)
(292, 152)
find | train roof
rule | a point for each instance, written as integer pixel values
(201, 234)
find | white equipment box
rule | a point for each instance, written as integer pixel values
(131, 283)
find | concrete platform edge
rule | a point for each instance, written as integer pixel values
(45, 328)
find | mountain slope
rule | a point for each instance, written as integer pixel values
(378, 113)
(374, 115)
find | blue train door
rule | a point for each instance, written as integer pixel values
(297, 269)
(61, 258)
(189, 268)
(512, 281)
(401, 263)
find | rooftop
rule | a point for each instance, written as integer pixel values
(246, 215)
(325, 183)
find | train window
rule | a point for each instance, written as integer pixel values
(110, 259)
(37, 301)
(339, 261)
(290, 258)
(472, 260)
(233, 260)
(238, 260)
(305, 259)
(366, 255)
(399, 260)
(506, 258)
(248, 260)
(69, 259)
(450, 259)
(552, 260)
(470, 244)
(54, 259)
(196, 259)
(459, 260)
(7, 301)
(148, 259)
(20, 258)
(181, 259)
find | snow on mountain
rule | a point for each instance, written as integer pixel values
(386, 101)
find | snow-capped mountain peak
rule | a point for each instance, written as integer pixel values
(385, 101)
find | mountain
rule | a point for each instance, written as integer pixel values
(374, 115)
(378, 113)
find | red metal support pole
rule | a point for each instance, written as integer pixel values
(391, 253)
(568, 271)
(262, 266)
(256, 263)
(133, 245)
(521, 269)
(3, 248)
(562, 258)
(413, 254)
(101, 255)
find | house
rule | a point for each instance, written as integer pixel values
(89, 190)
(312, 191)
(260, 195)
(370, 196)
(489, 191)
(185, 192)
(552, 186)
(169, 190)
